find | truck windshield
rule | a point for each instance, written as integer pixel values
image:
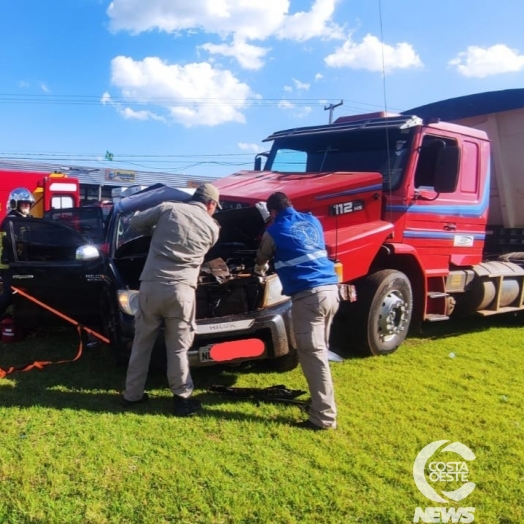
(356, 151)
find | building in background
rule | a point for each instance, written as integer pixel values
(97, 184)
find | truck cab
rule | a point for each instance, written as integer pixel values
(404, 203)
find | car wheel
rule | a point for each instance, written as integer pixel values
(111, 326)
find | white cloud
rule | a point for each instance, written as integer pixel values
(248, 19)
(23, 84)
(44, 87)
(304, 111)
(106, 98)
(252, 148)
(241, 21)
(304, 25)
(286, 104)
(129, 113)
(319, 76)
(248, 56)
(298, 111)
(370, 53)
(480, 62)
(288, 89)
(193, 94)
(300, 86)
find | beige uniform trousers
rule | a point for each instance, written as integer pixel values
(313, 311)
(174, 304)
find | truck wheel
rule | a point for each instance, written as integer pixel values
(285, 363)
(384, 305)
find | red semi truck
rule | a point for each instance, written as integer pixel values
(424, 217)
(51, 190)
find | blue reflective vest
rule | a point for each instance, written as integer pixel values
(301, 260)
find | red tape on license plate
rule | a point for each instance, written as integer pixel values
(224, 351)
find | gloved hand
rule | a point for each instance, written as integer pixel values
(261, 270)
(262, 209)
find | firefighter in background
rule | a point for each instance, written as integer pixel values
(19, 203)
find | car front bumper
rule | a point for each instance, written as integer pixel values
(256, 335)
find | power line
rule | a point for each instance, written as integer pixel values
(125, 155)
(58, 99)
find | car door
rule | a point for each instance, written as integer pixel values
(42, 257)
(90, 221)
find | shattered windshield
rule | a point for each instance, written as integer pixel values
(124, 231)
(357, 150)
(145, 199)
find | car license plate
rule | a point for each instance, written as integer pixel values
(204, 354)
(234, 349)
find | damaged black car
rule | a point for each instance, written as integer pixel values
(88, 268)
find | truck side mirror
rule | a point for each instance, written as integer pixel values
(447, 170)
(258, 160)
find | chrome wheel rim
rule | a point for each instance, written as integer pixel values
(393, 316)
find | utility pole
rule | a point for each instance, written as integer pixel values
(331, 107)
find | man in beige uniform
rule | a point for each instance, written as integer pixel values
(182, 234)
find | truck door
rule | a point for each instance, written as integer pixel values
(42, 257)
(447, 228)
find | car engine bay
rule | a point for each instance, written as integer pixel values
(227, 284)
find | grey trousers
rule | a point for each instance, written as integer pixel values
(312, 313)
(173, 303)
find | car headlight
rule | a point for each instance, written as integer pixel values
(273, 292)
(128, 302)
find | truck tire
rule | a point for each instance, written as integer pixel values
(384, 310)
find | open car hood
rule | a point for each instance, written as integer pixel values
(150, 197)
(239, 229)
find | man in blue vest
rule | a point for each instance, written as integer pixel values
(296, 243)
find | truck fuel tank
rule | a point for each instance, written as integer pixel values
(496, 286)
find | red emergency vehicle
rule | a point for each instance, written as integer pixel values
(51, 190)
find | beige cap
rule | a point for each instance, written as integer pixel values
(208, 191)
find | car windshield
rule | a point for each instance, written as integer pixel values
(359, 150)
(124, 231)
(150, 197)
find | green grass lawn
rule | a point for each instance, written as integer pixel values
(70, 454)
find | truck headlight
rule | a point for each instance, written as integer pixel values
(128, 301)
(273, 292)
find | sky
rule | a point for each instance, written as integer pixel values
(194, 86)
